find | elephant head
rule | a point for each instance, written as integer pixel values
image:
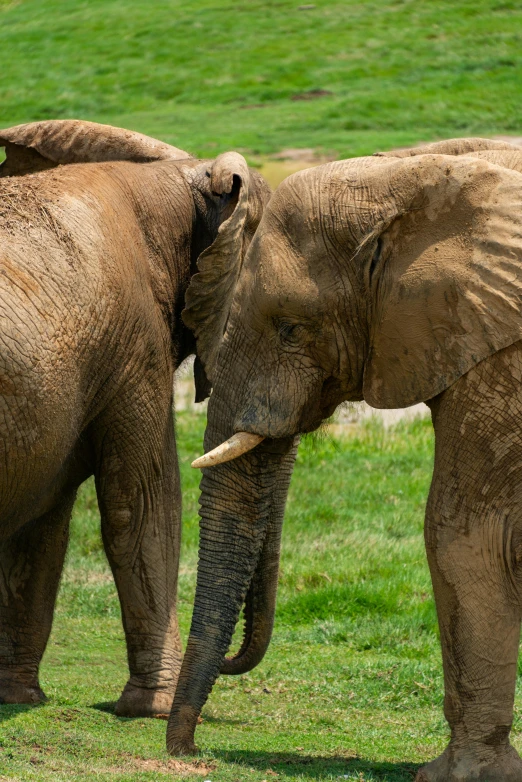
(378, 278)
(226, 201)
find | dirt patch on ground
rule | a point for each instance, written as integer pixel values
(306, 156)
(311, 95)
(290, 160)
(287, 162)
(171, 766)
(274, 171)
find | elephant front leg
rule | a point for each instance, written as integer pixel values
(140, 507)
(480, 630)
(31, 563)
(474, 544)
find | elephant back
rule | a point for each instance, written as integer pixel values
(452, 146)
(40, 145)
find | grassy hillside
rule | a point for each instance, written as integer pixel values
(265, 75)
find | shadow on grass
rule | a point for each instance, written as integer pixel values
(316, 767)
(109, 706)
(223, 720)
(10, 710)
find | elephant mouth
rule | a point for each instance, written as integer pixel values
(247, 438)
(323, 406)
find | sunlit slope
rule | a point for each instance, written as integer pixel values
(211, 75)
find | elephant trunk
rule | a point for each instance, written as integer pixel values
(242, 506)
(260, 601)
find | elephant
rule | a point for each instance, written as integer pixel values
(100, 231)
(396, 279)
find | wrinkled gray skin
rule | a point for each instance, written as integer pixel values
(95, 258)
(395, 280)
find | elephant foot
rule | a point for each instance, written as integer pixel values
(479, 764)
(142, 702)
(180, 747)
(180, 731)
(12, 691)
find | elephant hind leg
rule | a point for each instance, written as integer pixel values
(31, 563)
(473, 539)
(137, 482)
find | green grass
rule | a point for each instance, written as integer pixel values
(351, 686)
(210, 75)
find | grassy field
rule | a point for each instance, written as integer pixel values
(261, 76)
(351, 686)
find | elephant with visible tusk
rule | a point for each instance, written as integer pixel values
(398, 280)
(100, 232)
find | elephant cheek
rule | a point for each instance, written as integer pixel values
(282, 406)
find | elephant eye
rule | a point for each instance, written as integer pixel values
(376, 257)
(289, 333)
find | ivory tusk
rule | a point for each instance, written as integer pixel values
(235, 446)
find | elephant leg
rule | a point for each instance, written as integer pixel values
(474, 545)
(31, 563)
(140, 503)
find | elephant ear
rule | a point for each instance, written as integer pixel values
(447, 288)
(209, 294)
(452, 146)
(40, 145)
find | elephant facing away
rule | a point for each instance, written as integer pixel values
(95, 258)
(396, 280)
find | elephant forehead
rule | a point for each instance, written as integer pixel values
(279, 274)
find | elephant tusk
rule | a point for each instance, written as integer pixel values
(235, 446)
